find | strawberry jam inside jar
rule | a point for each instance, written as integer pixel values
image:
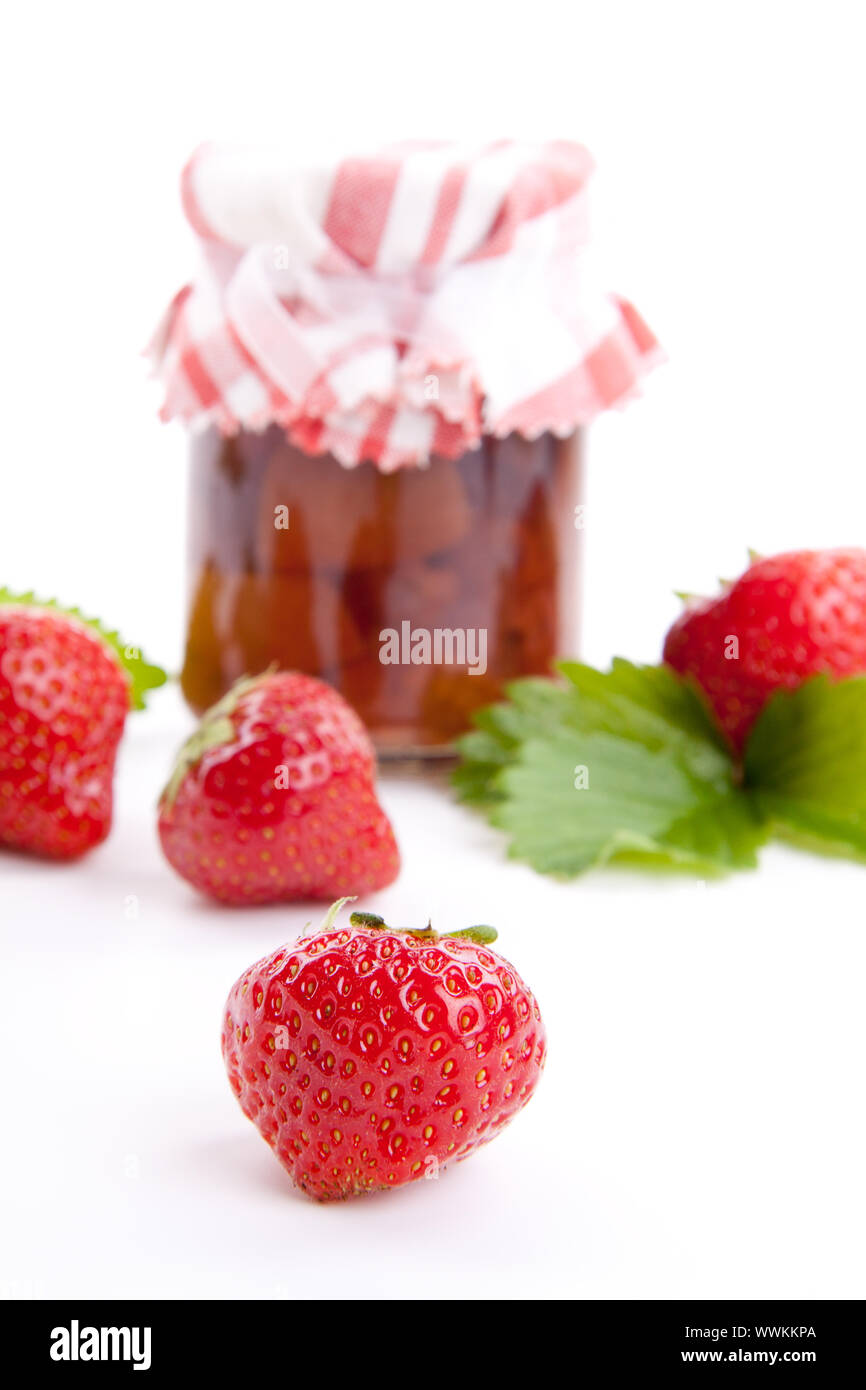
(417, 593)
(386, 363)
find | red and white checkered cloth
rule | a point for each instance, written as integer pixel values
(396, 305)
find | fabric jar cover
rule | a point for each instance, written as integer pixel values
(396, 305)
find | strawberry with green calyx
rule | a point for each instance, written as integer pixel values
(66, 685)
(369, 1057)
(754, 727)
(273, 798)
(787, 618)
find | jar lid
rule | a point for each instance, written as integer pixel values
(398, 304)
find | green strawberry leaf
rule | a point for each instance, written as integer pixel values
(577, 800)
(624, 764)
(805, 762)
(142, 675)
(532, 703)
(651, 704)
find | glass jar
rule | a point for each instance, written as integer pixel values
(416, 593)
(386, 360)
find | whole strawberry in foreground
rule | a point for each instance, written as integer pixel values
(368, 1057)
(273, 798)
(785, 619)
(66, 684)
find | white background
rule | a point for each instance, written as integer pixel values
(699, 1131)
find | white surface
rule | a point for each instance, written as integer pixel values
(699, 1130)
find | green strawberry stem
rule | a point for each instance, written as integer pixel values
(366, 919)
(687, 598)
(142, 675)
(482, 935)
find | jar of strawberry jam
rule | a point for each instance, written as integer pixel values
(387, 364)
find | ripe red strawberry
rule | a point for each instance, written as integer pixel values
(368, 1057)
(65, 687)
(787, 618)
(273, 798)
